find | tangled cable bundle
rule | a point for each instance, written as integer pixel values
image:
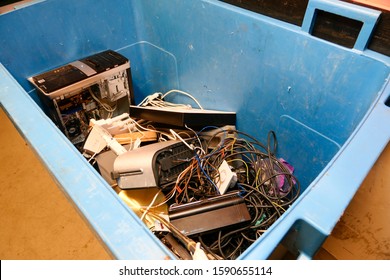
(265, 182)
(225, 160)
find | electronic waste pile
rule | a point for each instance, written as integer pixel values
(205, 189)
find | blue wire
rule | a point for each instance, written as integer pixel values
(223, 140)
(243, 190)
(205, 173)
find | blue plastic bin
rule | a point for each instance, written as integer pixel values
(325, 102)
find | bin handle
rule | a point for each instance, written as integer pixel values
(368, 16)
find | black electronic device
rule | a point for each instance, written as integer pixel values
(210, 214)
(95, 87)
(180, 117)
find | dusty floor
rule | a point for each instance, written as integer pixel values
(38, 222)
(364, 231)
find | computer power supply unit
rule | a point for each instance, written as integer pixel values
(98, 86)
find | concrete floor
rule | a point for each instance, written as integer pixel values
(38, 222)
(364, 230)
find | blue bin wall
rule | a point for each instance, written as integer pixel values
(313, 94)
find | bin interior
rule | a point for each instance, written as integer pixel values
(275, 76)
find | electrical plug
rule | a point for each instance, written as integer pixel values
(199, 254)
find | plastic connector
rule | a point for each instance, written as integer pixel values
(99, 138)
(117, 148)
(95, 142)
(105, 122)
(117, 125)
(154, 96)
(199, 254)
(227, 178)
(151, 98)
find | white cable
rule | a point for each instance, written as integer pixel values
(157, 100)
(153, 130)
(150, 98)
(184, 93)
(92, 157)
(106, 107)
(150, 206)
(197, 137)
(158, 205)
(181, 139)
